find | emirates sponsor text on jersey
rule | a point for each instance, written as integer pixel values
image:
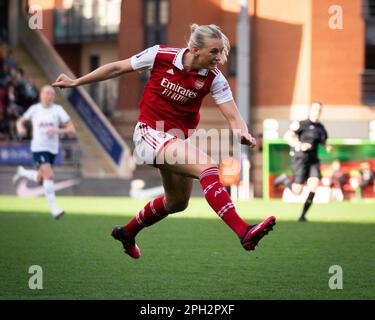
(176, 92)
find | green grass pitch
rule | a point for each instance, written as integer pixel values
(190, 255)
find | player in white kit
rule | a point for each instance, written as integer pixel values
(49, 120)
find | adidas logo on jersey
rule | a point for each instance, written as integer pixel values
(170, 71)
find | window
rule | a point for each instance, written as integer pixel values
(87, 20)
(3, 21)
(156, 20)
(369, 8)
(368, 75)
(232, 62)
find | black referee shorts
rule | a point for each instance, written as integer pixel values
(303, 169)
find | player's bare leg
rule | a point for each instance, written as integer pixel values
(297, 188)
(177, 190)
(177, 158)
(313, 183)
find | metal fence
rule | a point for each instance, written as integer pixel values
(368, 9)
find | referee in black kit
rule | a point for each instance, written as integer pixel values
(304, 138)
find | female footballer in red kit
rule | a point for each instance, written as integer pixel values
(179, 80)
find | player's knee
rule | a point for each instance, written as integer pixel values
(313, 184)
(39, 179)
(177, 206)
(47, 175)
(297, 190)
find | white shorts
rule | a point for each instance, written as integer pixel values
(149, 142)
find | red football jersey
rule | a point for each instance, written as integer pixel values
(173, 95)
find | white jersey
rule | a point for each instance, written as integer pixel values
(42, 120)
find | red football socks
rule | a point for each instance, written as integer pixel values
(216, 196)
(219, 200)
(153, 212)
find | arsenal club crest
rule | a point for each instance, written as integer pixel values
(198, 84)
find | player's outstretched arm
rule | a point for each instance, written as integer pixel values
(236, 122)
(107, 71)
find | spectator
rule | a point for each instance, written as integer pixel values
(10, 60)
(367, 177)
(338, 178)
(13, 111)
(4, 128)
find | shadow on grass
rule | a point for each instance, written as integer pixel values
(183, 258)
